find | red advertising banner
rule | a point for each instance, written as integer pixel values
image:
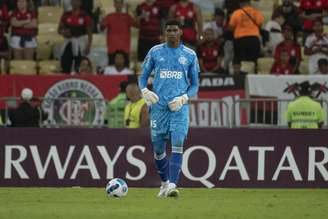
(238, 158)
(96, 87)
(11, 85)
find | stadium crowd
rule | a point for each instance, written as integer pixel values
(280, 39)
(231, 37)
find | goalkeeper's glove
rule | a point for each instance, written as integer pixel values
(149, 96)
(177, 103)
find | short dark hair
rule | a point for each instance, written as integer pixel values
(219, 12)
(174, 22)
(322, 62)
(125, 56)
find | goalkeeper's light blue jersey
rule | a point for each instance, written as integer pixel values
(175, 72)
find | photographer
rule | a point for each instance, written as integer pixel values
(28, 113)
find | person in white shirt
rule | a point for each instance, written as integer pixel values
(316, 46)
(274, 28)
(120, 67)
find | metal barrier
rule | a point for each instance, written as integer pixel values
(88, 112)
(260, 112)
(64, 111)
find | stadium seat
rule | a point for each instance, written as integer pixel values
(264, 65)
(46, 44)
(49, 14)
(49, 67)
(48, 28)
(325, 28)
(99, 58)
(304, 67)
(107, 5)
(99, 40)
(23, 67)
(2, 66)
(248, 67)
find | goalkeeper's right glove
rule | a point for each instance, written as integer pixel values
(149, 96)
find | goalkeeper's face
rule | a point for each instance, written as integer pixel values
(173, 34)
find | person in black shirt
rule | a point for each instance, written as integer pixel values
(27, 115)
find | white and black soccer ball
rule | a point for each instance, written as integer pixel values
(116, 188)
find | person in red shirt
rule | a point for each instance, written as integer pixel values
(288, 44)
(210, 53)
(191, 19)
(312, 10)
(282, 66)
(118, 25)
(24, 25)
(149, 19)
(4, 19)
(76, 27)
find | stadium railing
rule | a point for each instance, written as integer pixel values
(265, 112)
(216, 113)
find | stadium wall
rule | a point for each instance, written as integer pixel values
(262, 158)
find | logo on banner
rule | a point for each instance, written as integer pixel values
(316, 89)
(74, 102)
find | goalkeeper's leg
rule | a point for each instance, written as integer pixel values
(177, 140)
(162, 163)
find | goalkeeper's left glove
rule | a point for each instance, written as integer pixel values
(177, 103)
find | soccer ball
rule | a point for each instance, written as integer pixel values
(116, 188)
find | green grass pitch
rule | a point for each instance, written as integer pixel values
(92, 203)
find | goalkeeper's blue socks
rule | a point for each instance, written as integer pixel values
(162, 165)
(175, 167)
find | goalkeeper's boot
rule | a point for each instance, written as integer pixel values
(162, 189)
(172, 191)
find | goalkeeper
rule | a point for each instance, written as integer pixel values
(176, 71)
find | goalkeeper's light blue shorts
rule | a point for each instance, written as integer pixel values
(163, 122)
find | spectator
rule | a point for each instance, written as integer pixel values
(293, 48)
(135, 112)
(283, 66)
(27, 115)
(4, 21)
(85, 66)
(291, 15)
(24, 25)
(190, 16)
(149, 19)
(75, 26)
(304, 112)
(210, 53)
(245, 23)
(217, 24)
(312, 10)
(118, 33)
(323, 66)
(115, 108)
(316, 46)
(274, 27)
(120, 67)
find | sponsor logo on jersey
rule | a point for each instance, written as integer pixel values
(171, 74)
